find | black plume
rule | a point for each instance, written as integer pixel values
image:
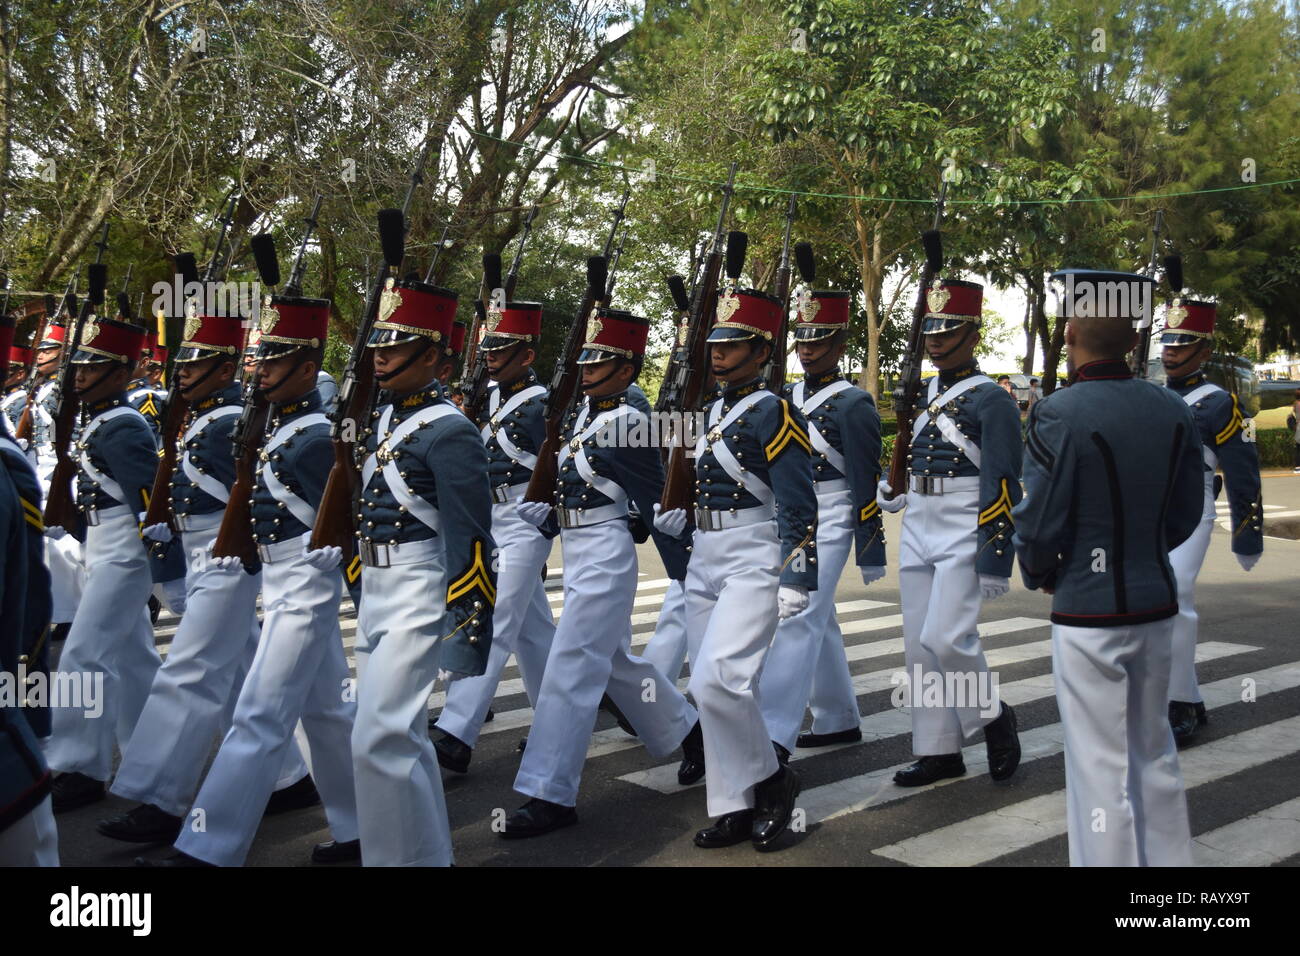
(737, 243)
(97, 276)
(933, 243)
(72, 303)
(392, 235)
(677, 289)
(268, 264)
(492, 271)
(1174, 273)
(50, 307)
(124, 306)
(803, 258)
(187, 267)
(597, 274)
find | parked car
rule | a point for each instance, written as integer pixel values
(1230, 372)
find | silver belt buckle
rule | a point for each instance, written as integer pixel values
(373, 555)
(568, 517)
(264, 552)
(92, 517)
(927, 484)
(501, 494)
(707, 520)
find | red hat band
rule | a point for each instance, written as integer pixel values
(418, 309)
(54, 335)
(108, 339)
(954, 299)
(20, 355)
(7, 328)
(209, 332)
(747, 310)
(295, 321)
(457, 344)
(517, 322)
(821, 313)
(1190, 318)
(617, 332)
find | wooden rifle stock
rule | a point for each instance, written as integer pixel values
(235, 536)
(160, 501)
(777, 365)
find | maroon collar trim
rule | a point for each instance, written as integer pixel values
(1102, 370)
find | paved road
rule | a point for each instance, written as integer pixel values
(1243, 774)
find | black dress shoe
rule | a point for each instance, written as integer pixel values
(296, 796)
(810, 739)
(1003, 744)
(523, 745)
(453, 753)
(142, 824)
(782, 755)
(773, 806)
(1186, 719)
(607, 703)
(176, 859)
(333, 851)
(537, 817)
(691, 768)
(71, 791)
(489, 716)
(728, 830)
(155, 609)
(929, 769)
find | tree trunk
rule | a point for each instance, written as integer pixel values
(869, 250)
(1027, 365)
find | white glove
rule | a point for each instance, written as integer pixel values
(157, 532)
(1248, 561)
(448, 677)
(534, 512)
(22, 443)
(322, 559)
(883, 489)
(54, 532)
(872, 573)
(790, 600)
(233, 563)
(992, 586)
(671, 523)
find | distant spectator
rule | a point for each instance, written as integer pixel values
(1035, 393)
(458, 397)
(1293, 423)
(1005, 382)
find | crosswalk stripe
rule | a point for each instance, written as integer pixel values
(1261, 839)
(987, 836)
(844, 796)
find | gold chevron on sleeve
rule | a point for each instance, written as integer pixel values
(147, 407)
(475, 576)
(1235, 424)
(788, 432)
(1002, 506)
(32, 515)
(354, 569)
(869, 511)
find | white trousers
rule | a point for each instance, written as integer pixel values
(591, 655)
(111, 639)
(809, 645)
(67, 577)
(400, 805)
(194, 692)
(1123, 789)
(298, 672)
(1186, 560)
(731, 586)
(32, 840)
(940, 594)
(521, 625)
(670, 642)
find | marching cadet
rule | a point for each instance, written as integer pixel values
(1187, 342)
(591, 651)
(28, 834)
(513, 429)
(428, 586)
(955, 552)
(754, 560)
(15, 391)
(299, 671)
(142, 391)
(844, 429)
(111, 633)
(329, 392)
(1113, 480)
(195, 690)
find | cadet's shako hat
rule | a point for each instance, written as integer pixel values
(19, 355)
(410, 310)
(613, 333)
(746, 314)
(289, 323)
(157, 353)
(8, 325)
(820, 313)
(108, 340)
(1187, 321)
(950, 303)
(517, 322)
(457, 344)
(1092, 293)
(54, 336)
(206, 337)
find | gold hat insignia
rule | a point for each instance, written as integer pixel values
(728, 305)
(389, 300)
(192, 325)
(937, 298)
(1176, 314)
(270, 316)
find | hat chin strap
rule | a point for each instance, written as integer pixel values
(267, 389)
(725, 374)
(588, 386)
(187, 389)
(956, 345)
(429, 343)
(108, 370)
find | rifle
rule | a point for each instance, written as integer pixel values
(686, 388)
(437, 254)
(909, 386)
(475, 385)
(294, 285)
(777, 364)
(178, 406)
(512, 277)
(235, 535)
(333, 526)
(59, 510)
(1139, 360)
(564, 383)
(23, 429)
